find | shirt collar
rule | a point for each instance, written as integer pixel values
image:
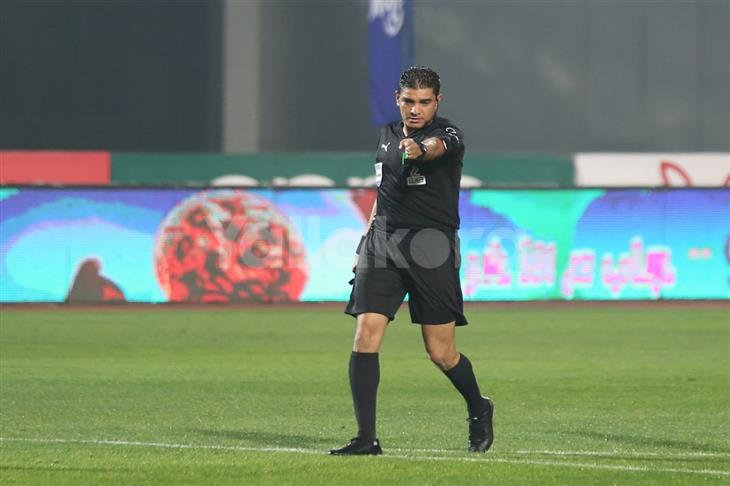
(401, 125)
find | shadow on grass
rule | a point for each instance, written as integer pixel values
(270, 439)
(635, 440)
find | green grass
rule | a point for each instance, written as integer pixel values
(583, 396)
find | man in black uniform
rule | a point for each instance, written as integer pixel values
(411, 246)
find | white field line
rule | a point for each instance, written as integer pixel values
(615, 452)
(637, 454)
(486, 459)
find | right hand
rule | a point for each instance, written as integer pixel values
(355, 261)
(411, 148)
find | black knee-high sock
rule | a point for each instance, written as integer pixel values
(462, 376)
(364, 379)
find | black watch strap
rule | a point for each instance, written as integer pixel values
(424, 149)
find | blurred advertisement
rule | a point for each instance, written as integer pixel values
(55, 167)
(284, 245)
(652, 170)
(595, 244)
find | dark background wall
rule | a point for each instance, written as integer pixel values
(314, 77)
(531, 75)
(119, 75)
(564, 75)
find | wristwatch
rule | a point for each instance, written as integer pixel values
(424, 149)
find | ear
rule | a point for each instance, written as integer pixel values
(439, 97)
(397, 97)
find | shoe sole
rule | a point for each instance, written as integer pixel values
(371, 453)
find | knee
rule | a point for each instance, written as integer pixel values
(366, 341)
(445, 358)
(368, 335)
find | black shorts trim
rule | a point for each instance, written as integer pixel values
(357, 313)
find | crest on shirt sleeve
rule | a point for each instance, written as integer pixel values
(378, 173)
(452, 131)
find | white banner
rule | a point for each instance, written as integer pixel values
(652, 169)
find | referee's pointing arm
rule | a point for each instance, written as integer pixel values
(429, 149)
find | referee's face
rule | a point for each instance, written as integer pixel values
(418, 106)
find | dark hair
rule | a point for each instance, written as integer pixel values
(418, 78)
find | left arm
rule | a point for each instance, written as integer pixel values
(450, 140)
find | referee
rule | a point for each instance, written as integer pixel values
(411, 246)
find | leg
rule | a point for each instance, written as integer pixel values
(437, 304)
(365, 370)
(369, 332)
(440, 344)
(376, 295)
(441, 347)
(364, 380)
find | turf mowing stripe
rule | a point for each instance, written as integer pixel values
(162, 445)
(707, 472)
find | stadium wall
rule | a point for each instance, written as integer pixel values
(186, 169)
(224, 245)
(200, 75)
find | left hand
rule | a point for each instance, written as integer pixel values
(411, 148)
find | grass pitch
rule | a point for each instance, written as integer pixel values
(582, 395)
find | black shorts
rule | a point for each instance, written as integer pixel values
(424, 264)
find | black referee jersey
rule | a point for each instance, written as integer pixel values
(415, 194)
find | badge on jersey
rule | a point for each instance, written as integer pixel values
(378, 173)
(415, 179)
